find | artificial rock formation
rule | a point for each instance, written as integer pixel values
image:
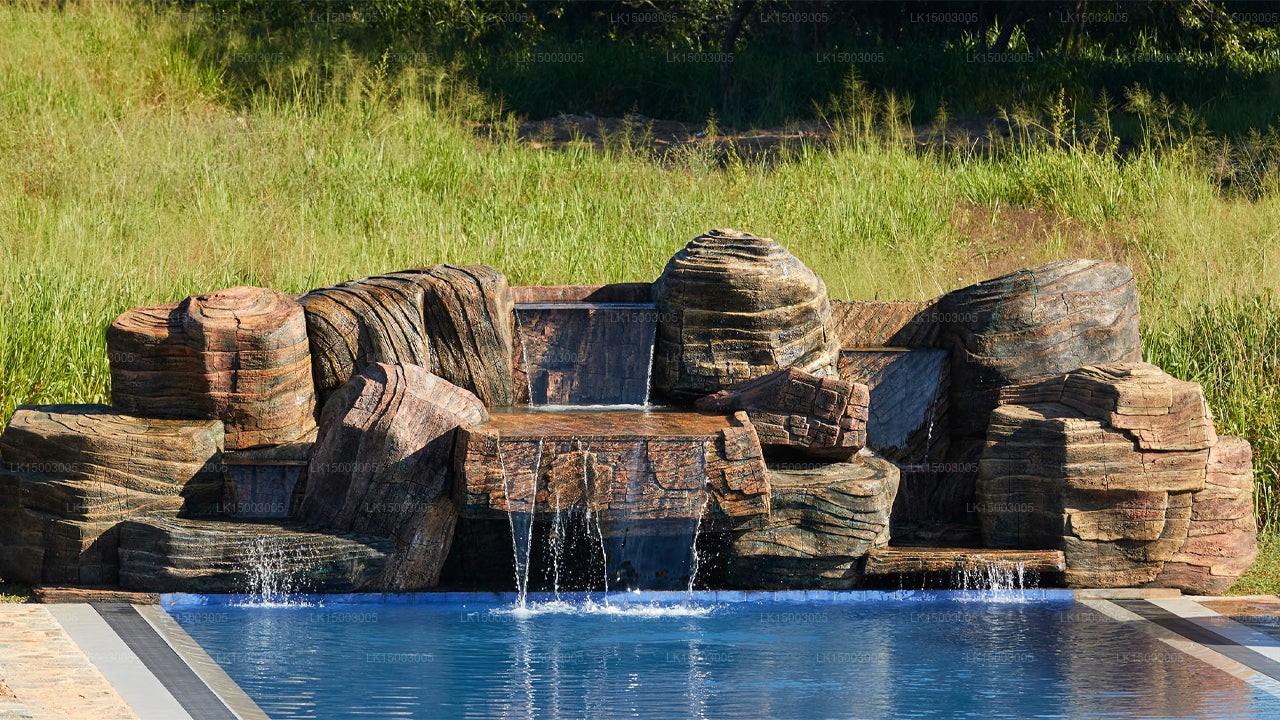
(863, 324)
(73, 472)
(1034, 324)
(823, 519)
(1028, 325)
(455, 321)
(382, 465)
(1222, 536)
(790, 408)
(205, 556)
(733, 307)
(1106, 463)
(238, 355)
(584, 353)
(622, 466)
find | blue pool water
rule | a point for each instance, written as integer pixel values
(841, 655)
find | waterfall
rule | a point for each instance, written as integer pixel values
(648, 373)
(997, 578)
(269, 579)
(524, 354)
(521, 521)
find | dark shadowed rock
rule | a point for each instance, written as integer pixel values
(866, 324)
(733, 307)
(176, 555)
(73, 472)
(790, 408)
(822, 521)
(238, 355)
(383, 465)
(468, 314)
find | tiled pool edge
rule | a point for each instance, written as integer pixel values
(179, 600)
(1234, 658)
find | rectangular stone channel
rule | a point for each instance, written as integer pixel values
(620, 464)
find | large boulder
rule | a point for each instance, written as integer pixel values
(1028, 325)
(733, 307)
(1222, 541)
(383, 465)
(824, 517)
(456, 322)
(238, 355)
(1104, 463)
(790, 408)
(1034, 324)
(71, 473)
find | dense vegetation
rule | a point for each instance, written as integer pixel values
(149, 152)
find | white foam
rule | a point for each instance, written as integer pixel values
(591, 607)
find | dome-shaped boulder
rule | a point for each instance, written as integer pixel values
(733, 307)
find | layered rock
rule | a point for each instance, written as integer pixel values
(865, 324)
(468, 314)
(176, 555)
(794, 409)
(1103, 463)
(358, 323)
(73, 472)
(1033, 324)
(733, 307)
(1222, 535)
(383, 465)
(619, 465)
(1028, 325)
(238, 355)
(456, 322)
(823, 520)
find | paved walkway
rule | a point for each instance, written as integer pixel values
(45, 676)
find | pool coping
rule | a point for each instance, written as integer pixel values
(158, 670)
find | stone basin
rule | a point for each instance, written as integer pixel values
(636, 464)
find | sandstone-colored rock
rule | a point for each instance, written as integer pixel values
(469, 317)
(733, 307)
(178, 555)
(238, 355)
(1222, 534)
(73, 472)
(383, 465)
(456, 322)
(822, 521)
(1034, 324)
(1102, 462)
(790, 408)
(913, 560)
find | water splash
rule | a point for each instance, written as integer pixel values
(995, 581)
(271, 576)
(648, 610)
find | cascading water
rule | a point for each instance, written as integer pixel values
(996, 580)
(521, 520)
(269, 579)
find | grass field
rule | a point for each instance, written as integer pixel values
(130, 176)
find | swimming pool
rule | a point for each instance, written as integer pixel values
(727, 655)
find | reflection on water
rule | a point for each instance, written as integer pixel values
(873, 659)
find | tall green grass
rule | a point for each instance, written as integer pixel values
(131, 174)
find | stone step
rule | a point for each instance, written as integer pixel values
(891, 560)
(210, 556)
